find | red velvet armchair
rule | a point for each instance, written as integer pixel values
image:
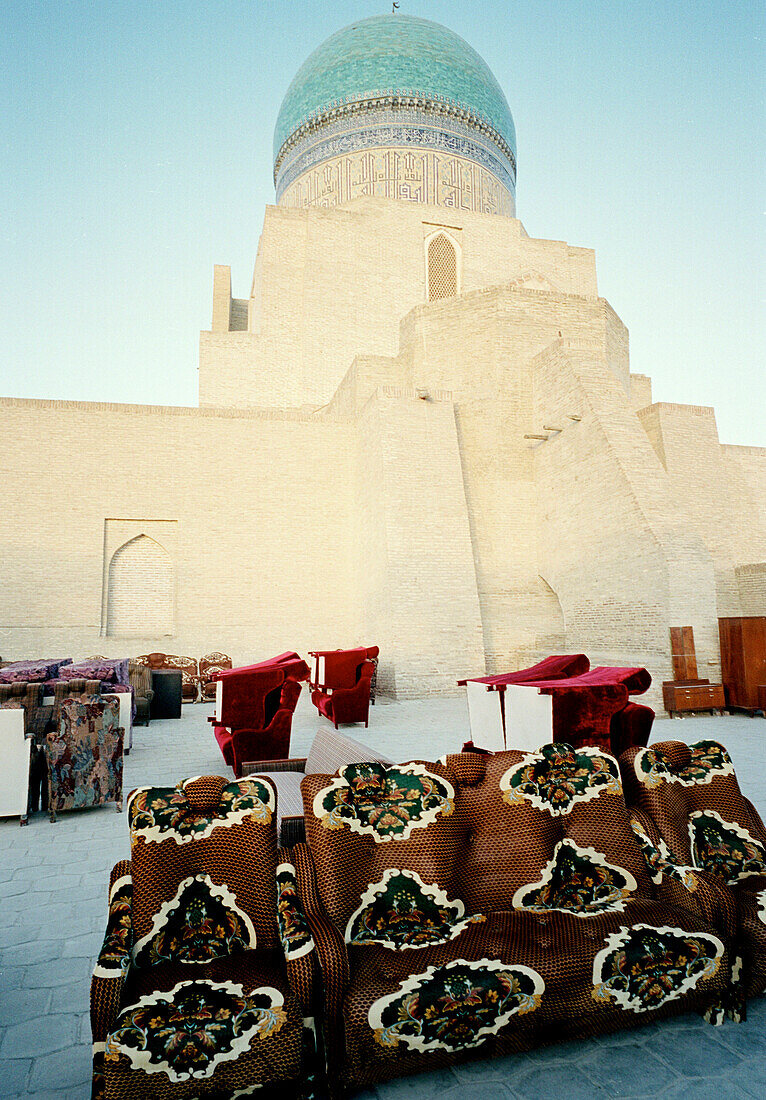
(340, 688)
(255, 707)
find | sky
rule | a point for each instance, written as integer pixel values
(136, 154)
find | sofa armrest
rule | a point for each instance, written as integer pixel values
(682, 886)
(293, 764)
(112, 965)
(332, 958)
(295, 935)
(760, 830)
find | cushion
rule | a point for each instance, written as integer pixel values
(87, 671)
(223, 1027)
(203, 860)
(24, 674)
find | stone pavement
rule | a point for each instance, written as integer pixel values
(53, 881)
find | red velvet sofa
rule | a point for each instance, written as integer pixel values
(590, 706)
(255, 707)
(340, 689)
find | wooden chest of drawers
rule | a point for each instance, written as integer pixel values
(679, 697)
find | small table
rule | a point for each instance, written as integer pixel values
(166, 685)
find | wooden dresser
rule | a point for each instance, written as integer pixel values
(743, 659)
(681, 696)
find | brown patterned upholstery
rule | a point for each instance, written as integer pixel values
(687, 800)
(189, 995)
(490, 904)
(209, 665)
(186, 665)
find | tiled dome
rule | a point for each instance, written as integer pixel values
(396, 55)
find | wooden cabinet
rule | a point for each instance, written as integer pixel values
(680, 697)
(743, 659)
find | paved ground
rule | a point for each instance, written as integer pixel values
(53, 909)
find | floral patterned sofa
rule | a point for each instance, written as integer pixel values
(187, 666)
(487, 904)
(85, 755)
(210, 665)
(691, 817)
(190, 994)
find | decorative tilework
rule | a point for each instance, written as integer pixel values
(421, 176)
(382, 124)
(398, 55)
(391, 84)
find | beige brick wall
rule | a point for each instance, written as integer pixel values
(331, 284)
(359, 472)
(719, 490)
(262, 504)
(751, 581)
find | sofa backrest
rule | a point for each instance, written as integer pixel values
(203, 864)
(370, 818)
(692, 793)
(338, 668)
(140, 677)
(212, 663)
(120, 665)
(542, 817)
(293, 665)
(32, 671)
(551, 668)
(540, 830)
(244, 695)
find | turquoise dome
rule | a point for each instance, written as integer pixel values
(400, 55)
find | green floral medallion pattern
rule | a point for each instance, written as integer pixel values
(114, 957)
(661, 861)
(643, 967)
(294, 931)
(578, 881)
(455, 1006)
(384, 803)
(188, 1031)
(558, 776)
(402, 911)
(201, 923)
(724, 848)
(157, 813)
(708, 760)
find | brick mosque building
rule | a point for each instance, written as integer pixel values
(419, 429)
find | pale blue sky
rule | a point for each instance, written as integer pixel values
(136, 153)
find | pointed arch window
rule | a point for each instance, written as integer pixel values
(442, 267)
(141, 589)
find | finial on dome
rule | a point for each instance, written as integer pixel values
(394, 8)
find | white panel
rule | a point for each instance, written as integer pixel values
(528, 717)
(218, 699)
(14, 773)
(485, 717)
(125, 699)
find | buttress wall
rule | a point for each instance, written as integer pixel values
(614, 539)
